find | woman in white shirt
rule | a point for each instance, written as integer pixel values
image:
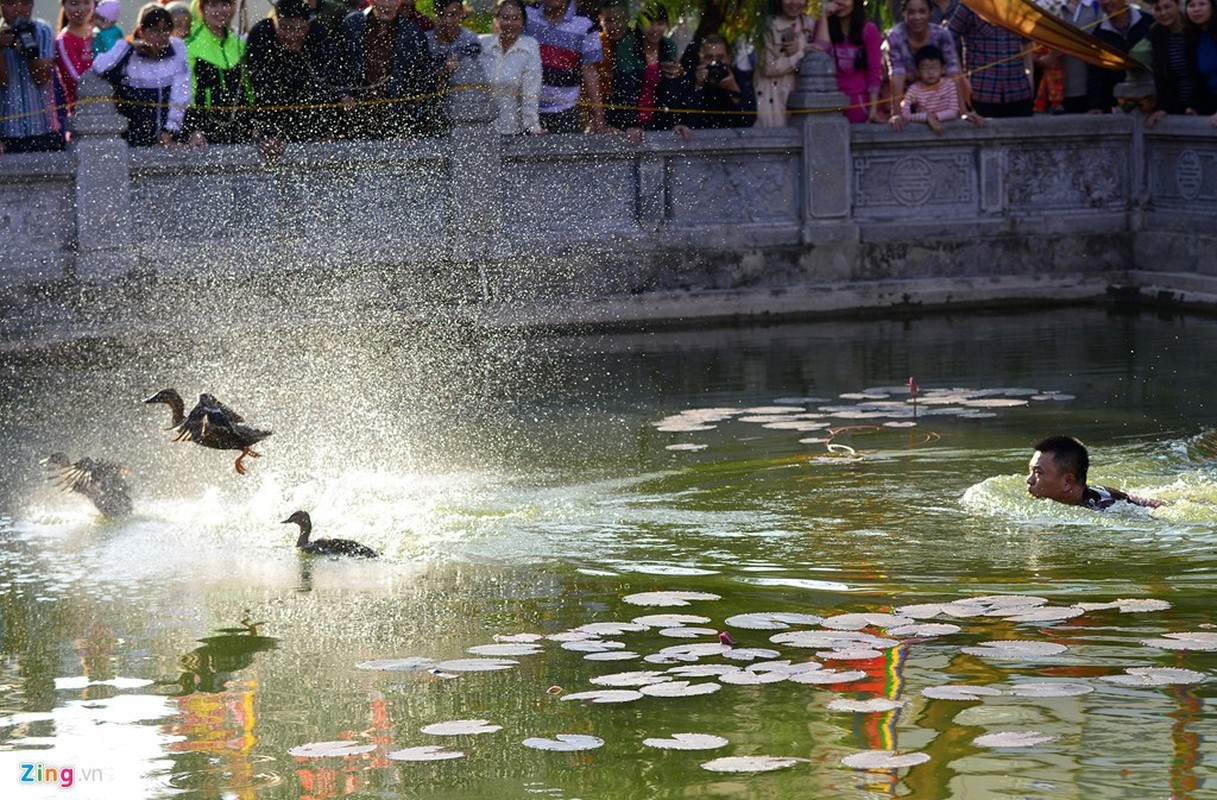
(513, 70)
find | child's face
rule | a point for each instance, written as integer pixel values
(929, 71)
(78, 12)
(156, 36)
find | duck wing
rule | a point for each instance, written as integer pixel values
(340, 547)
(211, 403)
(101, 481)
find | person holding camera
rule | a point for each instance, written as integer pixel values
(722, 96)
(26, 71)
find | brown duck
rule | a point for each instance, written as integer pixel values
(211, 424)
(103, 482)
(328, 547)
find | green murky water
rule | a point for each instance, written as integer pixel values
(524, 485)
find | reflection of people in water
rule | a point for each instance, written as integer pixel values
(1058, 472)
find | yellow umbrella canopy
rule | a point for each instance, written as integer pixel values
(1027, 19)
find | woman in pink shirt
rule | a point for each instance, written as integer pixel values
(855, 44)
(74, 46)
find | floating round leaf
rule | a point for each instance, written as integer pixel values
(687, 741)
(676, 598)
(871, 706)
(924, 629)
(639, 678)
(1155, 676)
(611, 628)
(702, 670)
(696, 650)
(686, 447)
(687, 632)
(919, 610)
(565, 742)
(339, 749)
(1015, 648)
(397, 664)
(852, 654)
(505, 649)
(573, 635)
(518, 638)
(883, 759)
(994, 601)
(750, 653)
(476, 664)
(1184, 641)
(959, 691)
(461, 727)
(853, 622)
(611, 655)
(1044, 689)
(593, 645)
(1013, 739)
(670, 620)
(680, 688)
(826, 676)
(606, 696)
(748, 678)
(751, 763)
(433, 752)
(1045, 614)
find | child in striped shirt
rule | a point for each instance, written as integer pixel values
(931, 99)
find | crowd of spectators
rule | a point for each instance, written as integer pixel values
(326, 69)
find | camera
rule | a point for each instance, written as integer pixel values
(27, 37)
(716, 72)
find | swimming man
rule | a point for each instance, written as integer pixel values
(1058, 472)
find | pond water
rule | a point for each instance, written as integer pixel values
(522, 486)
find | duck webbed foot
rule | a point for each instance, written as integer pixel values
(240, 463)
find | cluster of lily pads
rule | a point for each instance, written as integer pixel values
(716, 661)
(882, 406)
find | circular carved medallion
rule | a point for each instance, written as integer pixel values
(912, 180)
(1189, 174)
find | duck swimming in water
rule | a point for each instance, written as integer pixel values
(328, 547)
(101, 481)
(211, 424)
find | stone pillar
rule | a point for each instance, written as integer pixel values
(475, 207)
(103, 185)
(815, 109)
(827, 163)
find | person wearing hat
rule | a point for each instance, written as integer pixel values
(105, 18)
(288, 69)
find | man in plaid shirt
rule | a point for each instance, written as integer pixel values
(998, 63)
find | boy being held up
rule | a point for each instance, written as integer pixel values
(931, 99)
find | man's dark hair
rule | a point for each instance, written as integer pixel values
(1069, 453)
(927, 53)
(714, 38)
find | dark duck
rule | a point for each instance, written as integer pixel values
(326, 547)
(211, 424)
(101, 481)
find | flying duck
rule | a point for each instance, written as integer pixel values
(99, 480)
(211, 424)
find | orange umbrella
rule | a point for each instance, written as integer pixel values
(1027, 19)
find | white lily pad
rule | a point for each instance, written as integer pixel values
(606, 696)
(854, 622)
(749, 678)
(638, 678)
(1015, 648)
(703, 670)
(750, 653)
(593, 645)
(995, 601)
(611, 628)
(687, 632)
(505, 649)
(397, 664)
(674, 598)
(959, 691)
(680, 689)
(686, 447)
(1155, 676)
(461, 727)
(875, 705)
(853, 654)
(572, 635)
(1013, 739)
(1050, 689)
(476, 664)
(670, 620)
(339, 749)
(611, 655)
(518, 638)
(431, 752)
(687, 741)
(1044, 614)
(827, 676)
(565, 742)
(919, 610)
(698, 650)
(884, 759)
(1197, 640)
(751, 763)
(924, 629)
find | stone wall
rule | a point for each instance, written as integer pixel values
(818, 217)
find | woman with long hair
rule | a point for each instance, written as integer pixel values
(855, 44)
(789, 35)
(1202, 50)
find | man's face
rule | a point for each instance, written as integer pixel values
(16, 9)
(613, 21)
(711, 53)
(1046, 479)
(291, 32)
(1111, 7)
(385, 9)
(555, 8)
